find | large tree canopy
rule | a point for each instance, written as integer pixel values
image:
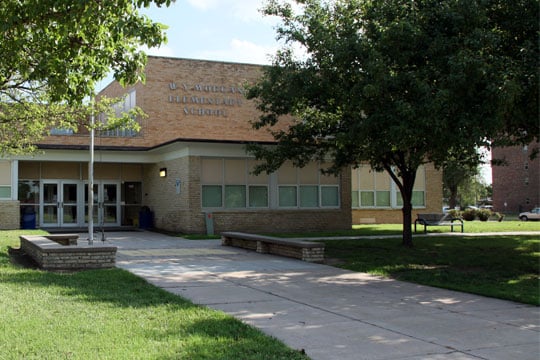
(56, 52)
(398, 83)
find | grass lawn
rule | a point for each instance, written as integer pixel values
(396, 229)
(505, 267)
(112, 314)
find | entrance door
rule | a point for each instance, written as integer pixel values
(106, 203)
(49, 204)
(59, 205)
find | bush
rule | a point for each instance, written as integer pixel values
(469, 214)
(483, 214)
(456, 214)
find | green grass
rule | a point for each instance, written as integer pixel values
(505, 267)
(396, 229)
(393, 229)
(112, 314)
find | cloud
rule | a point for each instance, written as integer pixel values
(163, 50)
(241, 51)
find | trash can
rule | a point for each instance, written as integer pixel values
(28, 220)
(146, 218)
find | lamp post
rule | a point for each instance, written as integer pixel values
(91, 184)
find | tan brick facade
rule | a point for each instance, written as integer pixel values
(183, 212)
(211, 87)
(9, 215)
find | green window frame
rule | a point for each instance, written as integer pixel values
(288, 196)
(212, 196)
(329, 196)
(309, 196)
(258, 196)
(235, 196)
(5, 191)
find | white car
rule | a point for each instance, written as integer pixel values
(534, 214)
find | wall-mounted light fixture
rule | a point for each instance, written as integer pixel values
(163, 172)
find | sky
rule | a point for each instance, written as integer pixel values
(226, 30)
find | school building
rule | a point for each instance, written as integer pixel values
(187, 167)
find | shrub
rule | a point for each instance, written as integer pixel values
(456, 214)
(483, 214)
(469, 214)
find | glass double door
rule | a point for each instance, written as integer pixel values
(64, 203)
(106, 207)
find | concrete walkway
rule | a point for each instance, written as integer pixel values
(329, 312)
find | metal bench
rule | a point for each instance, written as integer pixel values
(438, 220)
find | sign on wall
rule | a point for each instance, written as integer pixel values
(206, 99)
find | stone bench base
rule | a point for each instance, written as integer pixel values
(303, 250)
(62, 252)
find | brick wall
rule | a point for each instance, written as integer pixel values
(50, 255)
(214, 85)
(9, 215)
(516, 184)
(183, 213)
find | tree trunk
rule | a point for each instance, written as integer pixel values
(406, 195)
(452, 201)
(405, 184)
(407, 223)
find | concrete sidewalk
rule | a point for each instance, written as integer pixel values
(329, 312)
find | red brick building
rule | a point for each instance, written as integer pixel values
(516, 185)
(189, 160)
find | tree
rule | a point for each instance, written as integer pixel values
(458, 169)
(53, 54)
(394, 83)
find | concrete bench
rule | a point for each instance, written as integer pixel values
(436, 219)
(295, 248)
(62, 252)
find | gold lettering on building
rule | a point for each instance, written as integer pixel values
(206, 99)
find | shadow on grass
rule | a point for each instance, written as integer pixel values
(186, 330)
(115, 286)
(228, 338)
(504, 267)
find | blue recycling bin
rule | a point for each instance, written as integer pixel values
(28, 221)
(146, 218)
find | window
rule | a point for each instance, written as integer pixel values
(61, 131)
(5, 180)
(329, 196)
(307, 187)
(227, 183)
(235, 196)
(371, 189)
(309, 196)
(288, 196)
(211, 196)
(130, 101)
(258, 196)
(230, 184)
(28, 196)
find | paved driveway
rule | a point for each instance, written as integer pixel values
(329, 312)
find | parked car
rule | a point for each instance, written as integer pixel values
(534, 214)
